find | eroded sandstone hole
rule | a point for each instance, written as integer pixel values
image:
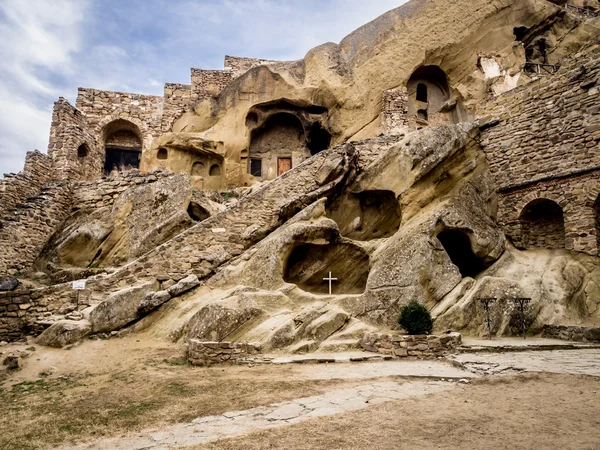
(458, 246)
(309, 263)
(367, 215)
(197, 213)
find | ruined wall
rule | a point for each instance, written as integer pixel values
(546, 145)
(394, 114)
(177, 98)
(209, 83)
(16, 188)
(69, 133)
(239, 66)
(26, 229)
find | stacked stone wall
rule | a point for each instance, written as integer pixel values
(209, 83)
(215, 353)
(572, 333)
(27, 228)
(104, 192)
(68, 132)
(16, 188)
(402, 346)
(394, 115)
(546, 145)
(103, 107)
(239, 66)
(177, 98)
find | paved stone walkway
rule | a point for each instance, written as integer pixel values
(579, 362)
(237, 423)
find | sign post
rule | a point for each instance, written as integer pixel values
(78, 286)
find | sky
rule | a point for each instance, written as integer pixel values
(49, 48)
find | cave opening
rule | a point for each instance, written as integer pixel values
(197, 213)
(319, 139)
(309, 263)
(458, 247)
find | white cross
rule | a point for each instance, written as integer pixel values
(331, 280)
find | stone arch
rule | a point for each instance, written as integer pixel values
(215, 170)
(123, 143)
(162, 154)
(542, 224)
(428, 91)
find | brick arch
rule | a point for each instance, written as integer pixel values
(536, 195)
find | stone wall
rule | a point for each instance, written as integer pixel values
(572, 333)
(177, 98)
(402, 346)
(543, 142)
(214, 353)
(104, 192)
(16, 188)
(68, 133)
(27, 228)
(209, 83)
(103, 107)
(239, 66)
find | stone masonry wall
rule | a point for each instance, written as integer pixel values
(26, 229)
(394, 115)
(239, 66)
(178, 98)
(546, 145)
(69, 131)
(215, 353)
(16, 188)
(200, 250)
(572, 333)
(402, 345)
(209, 83)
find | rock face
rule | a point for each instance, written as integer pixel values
(8, 283)
(64, 333)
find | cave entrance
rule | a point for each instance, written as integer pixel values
(543, 225)
(123, 146)
(308, 264)
(367, 215)
(428, 91)
(197, 213)
(458, 247)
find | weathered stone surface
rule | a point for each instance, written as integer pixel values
(13, 362)
(153, 300)
(185, 285)
(8, 283)
(120, 309)
(65, 332)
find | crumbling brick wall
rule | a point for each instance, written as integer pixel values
(16, 188)
(546, 145)
(394, 115)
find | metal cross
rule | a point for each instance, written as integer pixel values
(331, 280)
(487, 303)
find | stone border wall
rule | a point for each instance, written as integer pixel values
(209, 83)
(402, 346)
(16, 188)
(177, 98)
(239, 65)
(572, 333)
(215, 353)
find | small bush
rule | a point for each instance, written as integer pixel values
(415, 319)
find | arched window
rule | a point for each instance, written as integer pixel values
(215, 170)
(198, 169)
(422, 93)
(162, 154)
(543, 225)
(423, 115)
(83, 151)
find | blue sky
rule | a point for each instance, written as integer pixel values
(51, 47)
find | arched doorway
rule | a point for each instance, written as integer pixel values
(123, 146)
(542, 225)
(275, 146)
(428, 91)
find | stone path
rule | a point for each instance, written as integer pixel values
(237, 423)
(579, 362)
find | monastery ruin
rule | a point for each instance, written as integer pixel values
(445, 152)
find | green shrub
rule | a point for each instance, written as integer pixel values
(415, 319)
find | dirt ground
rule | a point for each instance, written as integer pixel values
(517, 412)
(122, 386)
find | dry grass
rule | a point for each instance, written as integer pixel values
(524, 412)
(47, 412)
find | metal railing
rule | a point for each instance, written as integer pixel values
(582, 11)
(542, 69)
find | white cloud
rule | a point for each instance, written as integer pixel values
(50, 47)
